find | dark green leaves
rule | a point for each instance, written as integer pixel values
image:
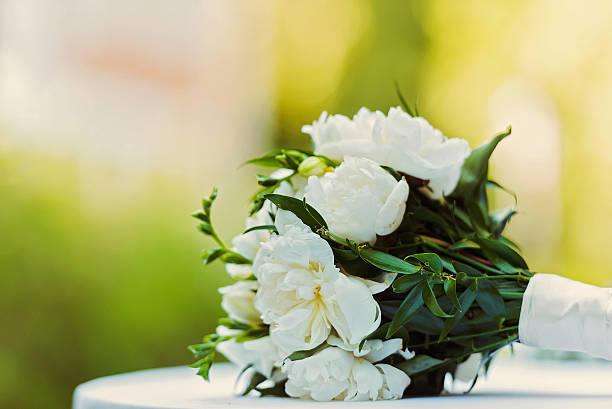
(450, 289)
(466, 299)
(269, 227)
(432, 303)
(475, 168)
(430, 261)
(210, 255)
(281, 158)
(387, 262)
(407, 309)
(405, 283)
(297, 355)
(305, 212)
(204, 215)
(402, 100)
(489, 299)
(501, 255)
(420, 364)
(223, 253)
(205, 352)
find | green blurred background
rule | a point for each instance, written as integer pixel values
(116, 117)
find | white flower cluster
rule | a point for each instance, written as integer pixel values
(294, 284)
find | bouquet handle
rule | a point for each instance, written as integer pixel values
(562, 314)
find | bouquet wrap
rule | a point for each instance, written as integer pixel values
(559, 313)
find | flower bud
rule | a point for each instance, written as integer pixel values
(313, 166)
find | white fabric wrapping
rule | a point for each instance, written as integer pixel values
(559, 313)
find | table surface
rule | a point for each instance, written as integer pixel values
(512, 383)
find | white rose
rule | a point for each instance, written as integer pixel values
(260, 353)
(248, 244)
(335, 374)
(359, 199)
(238, 301)
(407, 144)
(303, 296)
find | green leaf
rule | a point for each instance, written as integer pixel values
(268, 160)
(270, 227)
(392, 172)
(200, 215)
(204, 365)
(450, 289)
(360, 268)
(233, 324)
(297, 355)
(405, 283)
(234, 258)
(466, 299)
(432, 303)
(345, 254)
(432, 261)
(402, 100)
(211, 255)
(305, 212)
(489, 299)
(409, 307)
(206, 228)
(420, 364)
(280, 158)
(475, 168)
(463, 244)
(490, 184)
(494, 248)
(468, 270)
(387, 262)
(499, 220)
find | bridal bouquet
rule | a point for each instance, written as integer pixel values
(373, 268)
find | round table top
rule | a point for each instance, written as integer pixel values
(510, 384)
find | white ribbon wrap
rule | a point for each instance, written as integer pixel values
(559, 313)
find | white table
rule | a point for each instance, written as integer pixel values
(512, 383)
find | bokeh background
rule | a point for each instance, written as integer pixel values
(117, 116)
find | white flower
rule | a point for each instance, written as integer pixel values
(407, 144)
(238, 302)
(466, 371)
(261, 353)
(303, 295)
(359, 199)
(249, 243)
(374, 350)
(335, 374)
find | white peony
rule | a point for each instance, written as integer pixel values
(359, 199)
(238, 301)
(407, 144)
(249, 243)
(335, 374)
(302, 294)
(260, 353)
(374, 350)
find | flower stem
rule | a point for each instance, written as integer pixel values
(468, 336)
